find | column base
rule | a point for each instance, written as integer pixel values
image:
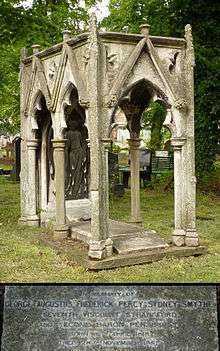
(191, 238)
(32, 221)
(60, 232)
(22, 220)
(109, 247)
(137, 221)
(97, 249)
(178, 237)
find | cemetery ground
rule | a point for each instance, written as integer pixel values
(25, 258)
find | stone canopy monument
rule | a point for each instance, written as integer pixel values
(69, 97)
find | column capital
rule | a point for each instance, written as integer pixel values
(178, 143)
(66, 34)
(134, 143)
(33, 143)
(59, 144)
(106, 142)
(145, 29)
(36, 48)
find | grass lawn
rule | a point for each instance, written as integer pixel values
(6, 167)
(25, 259)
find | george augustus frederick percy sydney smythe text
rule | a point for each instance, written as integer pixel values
(110, 317)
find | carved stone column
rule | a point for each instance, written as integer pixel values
(31, 209)
(100, 245)
(109, 242)
(61, 229)
(189, 63)
(179, 233)
(134, 145)
(95, 111)
(192, 238)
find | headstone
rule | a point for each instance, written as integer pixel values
(17, 159)
(145, 159)
(113, 168)
(161, 153)
(158, 318)
(123, 159)
(114, 179)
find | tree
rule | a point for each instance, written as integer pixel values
(42, 24)
(154, 117)
(168, 18)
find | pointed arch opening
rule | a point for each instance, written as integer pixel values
(77, 154)
(43, 131)
(139, 117)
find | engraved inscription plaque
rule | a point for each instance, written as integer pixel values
(69, 318)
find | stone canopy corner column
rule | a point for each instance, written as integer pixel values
(134, 145)
(31, 217)
(178, 236)
(100, 246)
(109, 242)
(61, 229)
(192, 238)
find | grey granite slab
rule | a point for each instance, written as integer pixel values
(67, 318)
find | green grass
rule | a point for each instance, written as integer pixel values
(25, 259)
(6, 167)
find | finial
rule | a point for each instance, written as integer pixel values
(36, 48)
(188, 28)
(93, 28)
(23, 53)
(145, 27)
(93, 19)
(66, 35)
(189, 43)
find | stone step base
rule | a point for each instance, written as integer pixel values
(146, 256)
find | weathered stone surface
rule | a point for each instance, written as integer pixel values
(146, 256)
(90, 76)
(138, 242)
(126, 237)
(162, 318)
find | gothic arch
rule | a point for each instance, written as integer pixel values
(64, 104)
(35, 107)
(152, 91)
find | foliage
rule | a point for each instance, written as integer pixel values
(42, 24)
(168, 18)
(9, 89)
(155, 116)
(115, 148)
(210, 182)
(161, 182)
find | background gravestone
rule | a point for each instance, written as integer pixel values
(17, 159)
(113, 168)
(159, 318)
